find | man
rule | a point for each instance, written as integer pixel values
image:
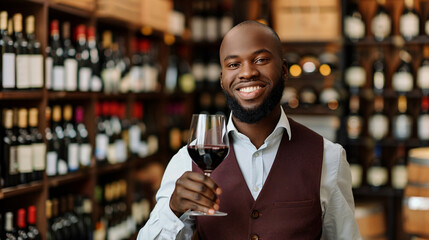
(280, 179)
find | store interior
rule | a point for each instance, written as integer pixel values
(96, 96)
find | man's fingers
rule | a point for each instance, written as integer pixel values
(198, 177)
(198, 187)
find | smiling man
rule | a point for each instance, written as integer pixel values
(280, 179)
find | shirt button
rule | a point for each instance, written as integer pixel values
(256, 154)
(255, 214)
(254, 237)
(255, 189)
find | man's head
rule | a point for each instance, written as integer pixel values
(253, 71)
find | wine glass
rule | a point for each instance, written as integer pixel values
(208, 145)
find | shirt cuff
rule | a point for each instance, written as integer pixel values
(167, 216)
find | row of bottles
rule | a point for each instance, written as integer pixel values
(69, 217)
(308, 96)
(379, 123)
(404, 79)
(21, 61)
(69, 148)
(324, 64)
(386, 168)
(118, 138)
(116, 220)
(410, 25)
(20, 225)
(23, 148)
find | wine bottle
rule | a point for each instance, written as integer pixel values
(58, 139)
(355, 75)
(199, 71)
(32, 230)
(379, 73)
(423, 120)
(198, 21)
(186, 79)
(23, 150)
(22, 56)
(355, 168)
(71, 147)
(85, 149)
(423, 72)
(49, 219)
(94, 56)
(409, 22)
(120, 145)
(57, 225)
(213, 71)
(354, 120)
(150, 70)
(402, 122)
(227, 20)
(136, 129)
(177, 19)
(307, 97)
(9, 144)
(109, 110)
(83, 60)
(399, 169)
(381, 23)
(108, 71)
(402, 79)
(9, 230)
(38, 147)
(330, 97)
(35, 55)
(378, 123)
(67, 206)
(211, 24)
(377, 175)
(136, 71)
(57, 54)
(172, 73)
(101, 139)
(70, 62)
(7, 60)
(51, 153)
(21, 224)
(354, 26)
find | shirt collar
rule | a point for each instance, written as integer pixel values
(283, 123)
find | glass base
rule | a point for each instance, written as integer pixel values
(198, 213)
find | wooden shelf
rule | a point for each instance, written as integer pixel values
(59, 181)
(21, 95)
(62, 8)
(377, 192)
(317, 109)
(21, 190)
(390, 41)
(69, 95)
(111, 168)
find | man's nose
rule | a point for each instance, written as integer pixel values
(248, 71)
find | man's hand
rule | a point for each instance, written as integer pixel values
(195, 191)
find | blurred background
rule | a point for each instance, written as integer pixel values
(97, 96)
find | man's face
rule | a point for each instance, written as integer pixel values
(253, 72)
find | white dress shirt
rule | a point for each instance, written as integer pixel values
(336, 198)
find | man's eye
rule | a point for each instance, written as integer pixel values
(261, 60)
(233, 65)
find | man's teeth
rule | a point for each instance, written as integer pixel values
(249, 89)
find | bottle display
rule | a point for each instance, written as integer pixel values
(35, 54)
(7, 54)
(355, 74)
(354, 120)
(379, 73)
(38, 146)
(71, 146)
(381, 23)
(70, 62)
(423, 120)
(55, 75)
(354, 26)
(23, 150)
(399, 169)
(22, 55)
(10, 172)
(378, 123)
(402, 123)
(423, 72)
(83, 60)
(409, 22)
(377, 174)
(403, 79)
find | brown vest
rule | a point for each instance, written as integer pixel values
(288, 206)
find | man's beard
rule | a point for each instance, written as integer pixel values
(253, 115)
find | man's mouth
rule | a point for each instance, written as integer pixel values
(249, 89)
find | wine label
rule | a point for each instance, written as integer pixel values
(39, 153)
(73, 157)
(85, 154)
(136, 74)
(13, 161)
(51, 163)
(70, 66)
(402, 81)
(402, 127)
(377, 176)
(150, 78)
(199, 71)
(381, 26)
(211, 29)
(36, 71)
(23, 71)
(121, 150)
(213, 72)
(177, 23)
(153, 144)
(378, 126)
(354, 126)
(226, 23)
(197, 26)
(8, 71)
(379, 80)
(354, 27)
(84, 79)
(356, 172)
(399, 176)
(58, 83)
(423, 127)
(423, 77)
(25, 164)
(134, 134)
(101, 143)
(96, 84)
(187, 83)
(111, 154)
(48, 72)
(143, 149)
(62, 167)
(355, 76)
(409, 25)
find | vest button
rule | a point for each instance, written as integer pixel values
(254, 237)
(255, 214)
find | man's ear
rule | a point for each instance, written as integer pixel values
(285, 71)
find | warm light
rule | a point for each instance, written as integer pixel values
(146, 30)
(295, 70)
(325, 70)
(169, 39)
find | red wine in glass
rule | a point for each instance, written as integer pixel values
(208, 145)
